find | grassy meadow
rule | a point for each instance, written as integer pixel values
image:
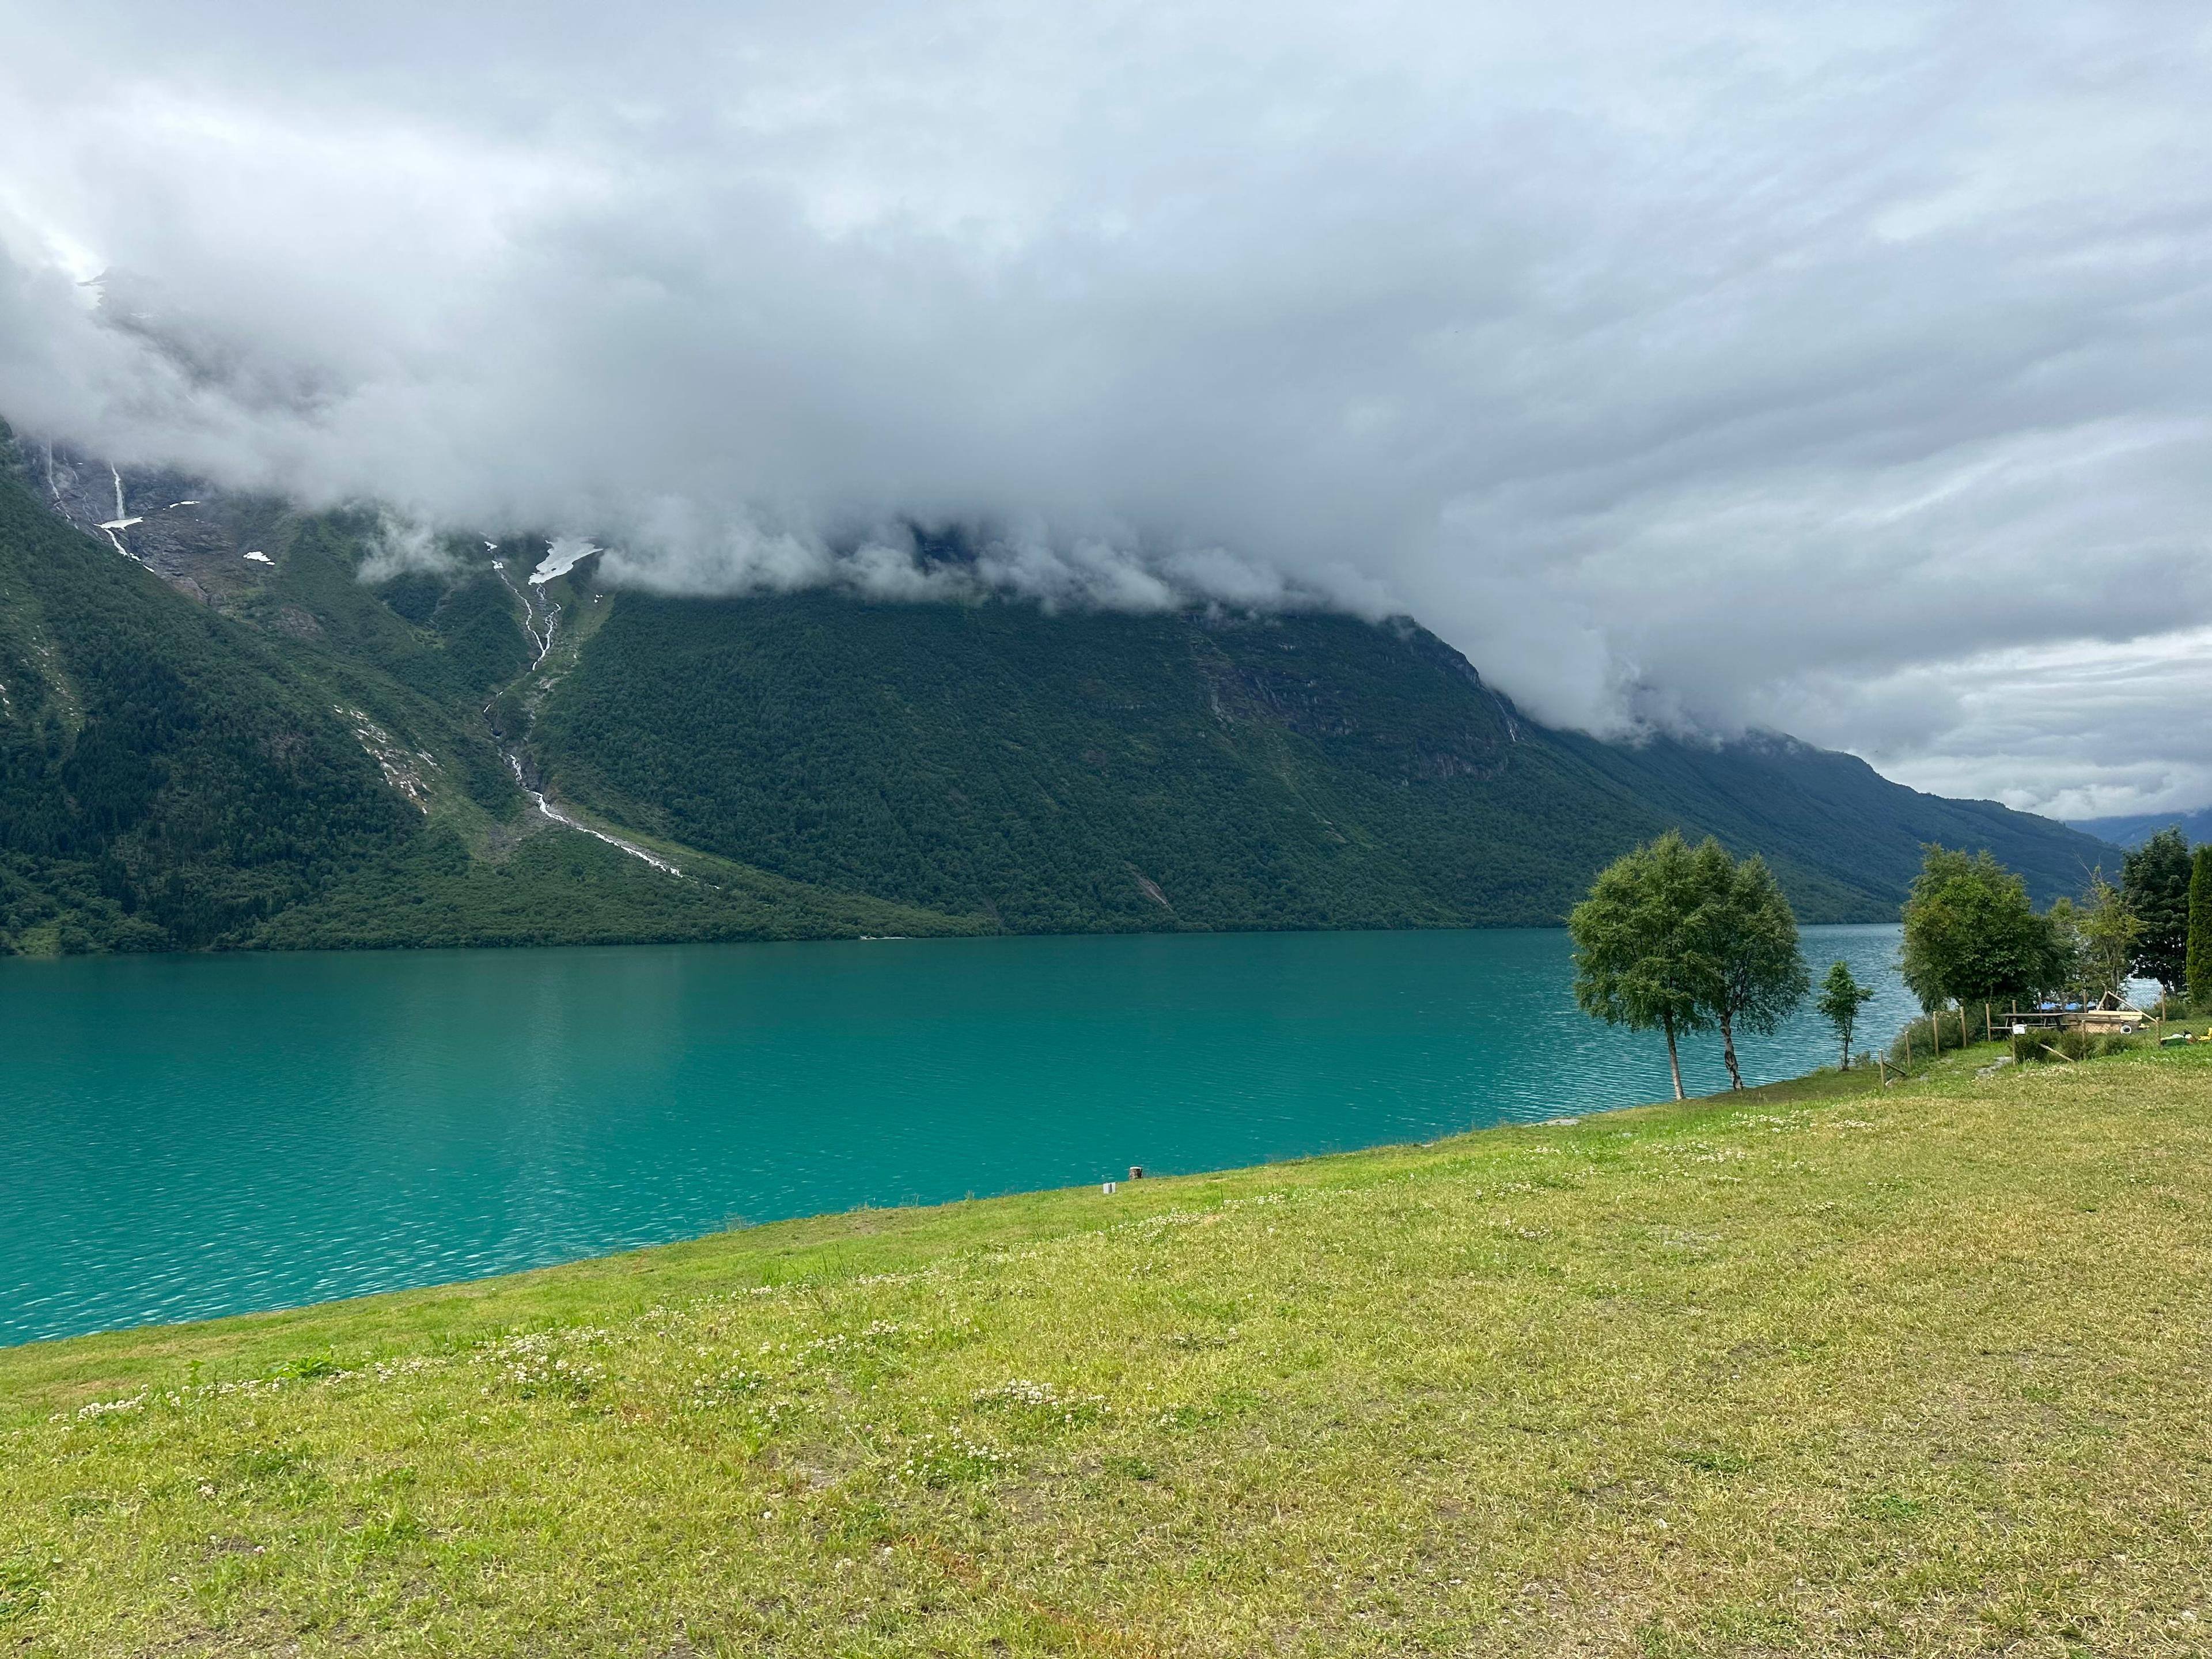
(1821, 1369)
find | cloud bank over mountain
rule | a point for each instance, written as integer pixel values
(1842, 369)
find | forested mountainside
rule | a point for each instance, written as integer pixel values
(234, 754)
(164, 781)
(1825, 817)
(1109, 771)
(200, 748)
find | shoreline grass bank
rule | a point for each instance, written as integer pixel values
(1821, 1367)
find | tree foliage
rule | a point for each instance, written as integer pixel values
(166, 782)
(1745, 937)
(1637, 957)
(178, 774)
(1086, 771)
(2105, 933)
(1286, 771)
(2155, 882)
(1675, 940)
(1970, 933)
(1841, 998)
(2199, 965)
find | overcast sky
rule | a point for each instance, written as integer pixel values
(1840, 368)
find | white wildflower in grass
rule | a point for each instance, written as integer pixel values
(732, 1387)
(1040, 1405)
(896, 1278)
(538, 1364)
(950, 1459)
(323, 1371)
(252, 1387)
(98, 1408)
(822, 1351)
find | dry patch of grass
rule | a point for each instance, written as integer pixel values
(1913, 1371)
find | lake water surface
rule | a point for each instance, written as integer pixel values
(188, 1136)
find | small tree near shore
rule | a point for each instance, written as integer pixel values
(1746, 935)
(1841, 999)
(1636, 961)
(1971, 932)
(1676, 940)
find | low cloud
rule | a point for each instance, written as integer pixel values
(677, 549)
(399, 548)
(1683, 363)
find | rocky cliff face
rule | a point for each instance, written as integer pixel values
(197, 537)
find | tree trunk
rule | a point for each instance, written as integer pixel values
(1674, 1060)
(1846, 1065)
(1728, 1052)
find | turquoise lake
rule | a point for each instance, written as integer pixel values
(188, 1136)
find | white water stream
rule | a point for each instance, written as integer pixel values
(514, 764)
(542, 642)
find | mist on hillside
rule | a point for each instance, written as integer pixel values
(1847, 380)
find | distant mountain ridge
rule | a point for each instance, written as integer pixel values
(199, 747)
(2134, 829)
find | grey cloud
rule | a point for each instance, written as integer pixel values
(675, 548)
(400, 546)
(1690, 362)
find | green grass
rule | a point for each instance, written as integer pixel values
(1830, 1370)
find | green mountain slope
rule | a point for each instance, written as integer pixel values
(1078, 772)
(164, 782)
(1114, 771)
(230, 739)
(291, 759)
(1844, 839)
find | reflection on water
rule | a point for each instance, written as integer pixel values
(192, 1136)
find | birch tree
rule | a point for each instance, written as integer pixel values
(1636, 961)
